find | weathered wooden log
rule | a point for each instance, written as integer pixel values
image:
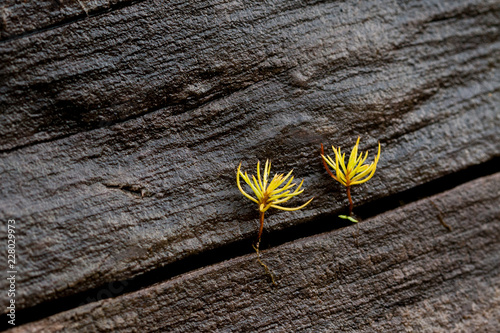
(121, 132)
(400, 271)
(368, 61)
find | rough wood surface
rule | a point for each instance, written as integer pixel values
(403, 271)
(121, 132)
(20, 18)
(377, 57)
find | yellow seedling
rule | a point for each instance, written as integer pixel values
(354, 173)
(269, 194)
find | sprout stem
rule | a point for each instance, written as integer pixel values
(350, 200)
(325, 165)
(261, 228)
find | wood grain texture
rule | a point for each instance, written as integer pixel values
(19, 18)
(122, 132)
(403, 272)
(354, 57)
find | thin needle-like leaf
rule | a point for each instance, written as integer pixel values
(355, 173)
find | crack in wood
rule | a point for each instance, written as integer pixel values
(315, 226)
(133, 189)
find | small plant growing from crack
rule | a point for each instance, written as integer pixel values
(268, 194)
(354, 173)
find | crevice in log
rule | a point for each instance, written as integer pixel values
(133, 189)
(439, 185)
(314, 226)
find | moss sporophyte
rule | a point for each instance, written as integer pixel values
(269, 194)
(354, 173)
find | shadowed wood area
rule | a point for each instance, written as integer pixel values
(403, 271)
(122, 125)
